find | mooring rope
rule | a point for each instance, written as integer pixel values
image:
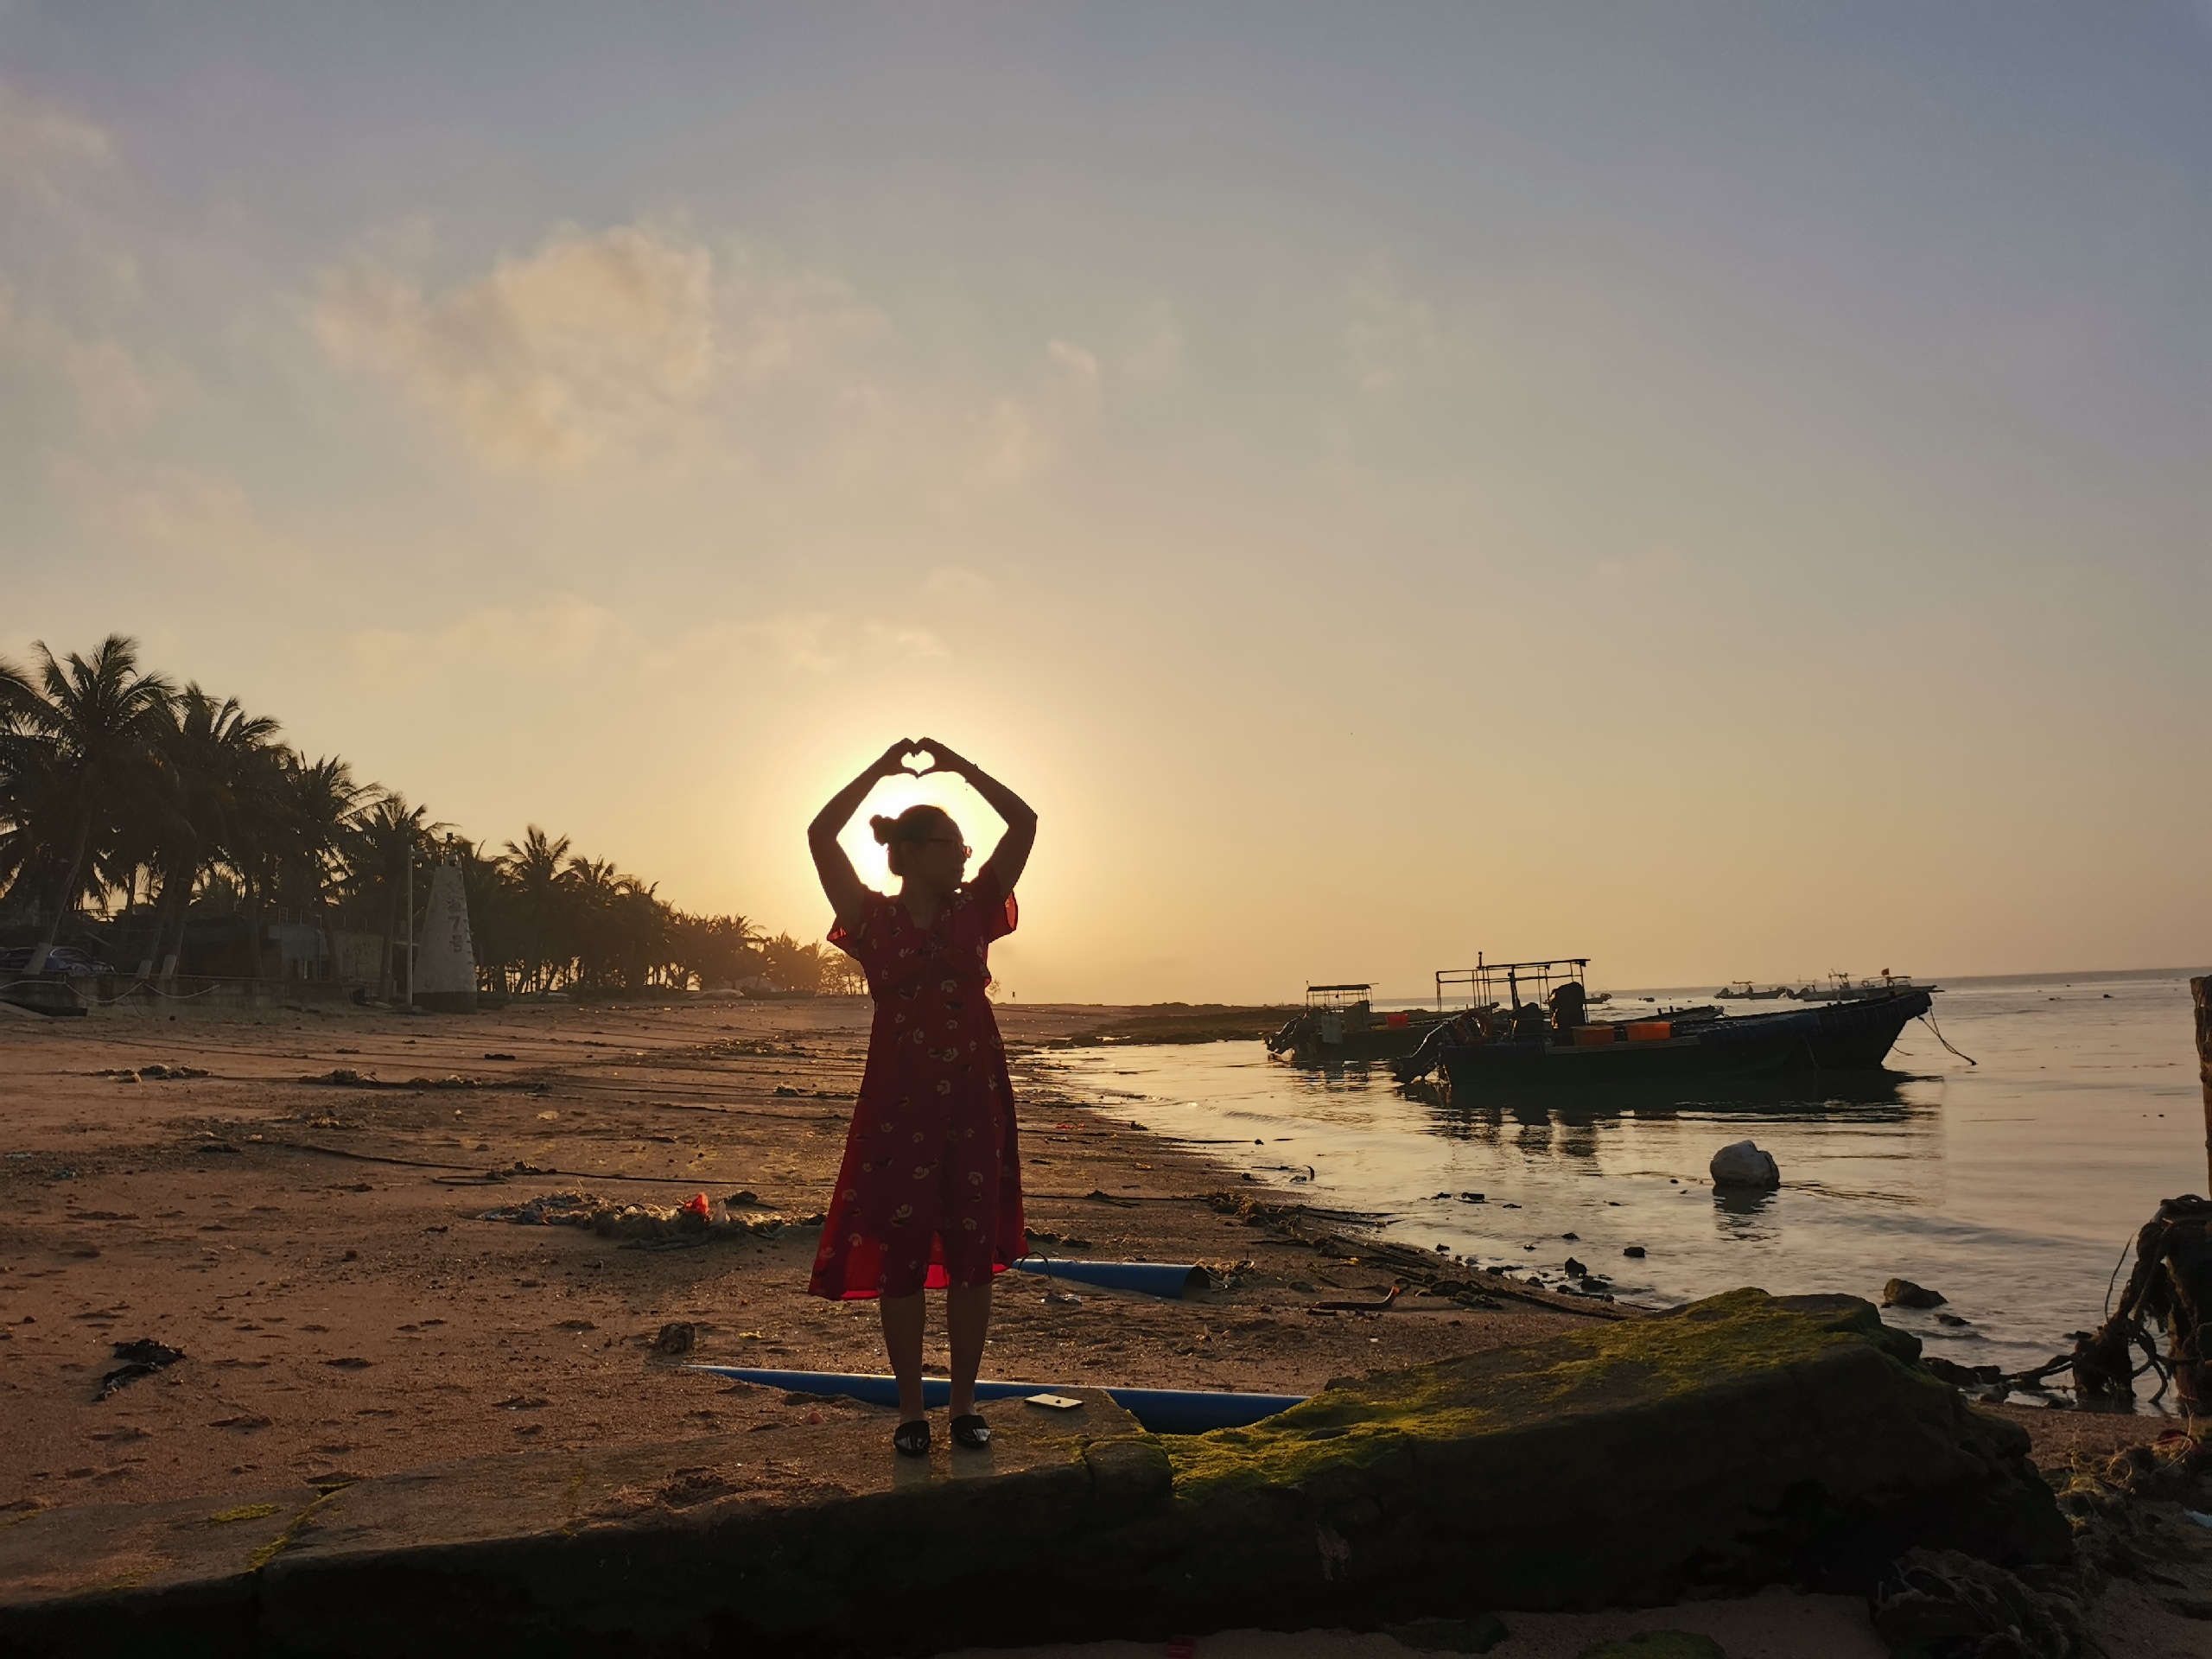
(1929, 1020)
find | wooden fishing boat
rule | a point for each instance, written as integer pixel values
(1526, 1025)
(1838, 1037)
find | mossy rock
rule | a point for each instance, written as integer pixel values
(1745, 1440)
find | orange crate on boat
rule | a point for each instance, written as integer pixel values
(1596, 1036)
(1652, 1030)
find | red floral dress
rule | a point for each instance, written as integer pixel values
(931, 1188)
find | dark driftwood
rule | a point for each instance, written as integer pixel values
(2171, 1284)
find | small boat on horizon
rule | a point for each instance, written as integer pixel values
(1743, 990)
(1840, 988)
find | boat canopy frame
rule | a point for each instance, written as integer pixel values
(1482, 981)
(1332, 999)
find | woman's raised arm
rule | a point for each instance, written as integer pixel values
(841, 882)
(1011, 856)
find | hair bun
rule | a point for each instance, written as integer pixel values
(883, 826)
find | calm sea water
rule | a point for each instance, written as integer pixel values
(2011, 1185)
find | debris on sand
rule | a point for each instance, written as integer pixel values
(346, 1076)
(649, 1223)
(140, 1358)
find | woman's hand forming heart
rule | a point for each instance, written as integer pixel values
(941, 759)
(892, 763)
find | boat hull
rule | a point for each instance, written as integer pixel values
(1379, 1043)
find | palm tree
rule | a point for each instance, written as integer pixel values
(212, 799)
(26, 761)
(594, 886)
(87, 727)
(542, 892)
(714, 949)
(324, 802)
(383, 847)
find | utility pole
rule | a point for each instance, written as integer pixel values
(410, 1003)
(2200, 993)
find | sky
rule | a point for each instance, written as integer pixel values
(1722, 489)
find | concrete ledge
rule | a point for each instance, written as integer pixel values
(1747, 1439)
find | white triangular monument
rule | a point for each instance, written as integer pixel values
(445, 961)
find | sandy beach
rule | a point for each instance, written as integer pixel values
(316, 1250)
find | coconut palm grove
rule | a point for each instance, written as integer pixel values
(165, 834)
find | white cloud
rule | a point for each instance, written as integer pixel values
(779, 319)
(1391, 336)
(598, 346)
(106, 380)
(1153, 350)
(178, 510)
(45, 150)
(573, 639)
(549, 361)
(559, 635)
(953, 582)
(1077, 366)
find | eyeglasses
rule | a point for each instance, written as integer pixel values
(966, 851)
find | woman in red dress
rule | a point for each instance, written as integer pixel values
(930, 1192)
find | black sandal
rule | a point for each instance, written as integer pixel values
(913, 1440)
(971, 1431)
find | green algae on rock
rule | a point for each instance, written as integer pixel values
(1745, 1439)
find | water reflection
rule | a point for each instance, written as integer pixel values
(1738, 1214)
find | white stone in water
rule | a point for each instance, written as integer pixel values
(1743, 1165)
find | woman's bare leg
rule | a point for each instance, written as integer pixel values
(968, 1311)
(902, 1340)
